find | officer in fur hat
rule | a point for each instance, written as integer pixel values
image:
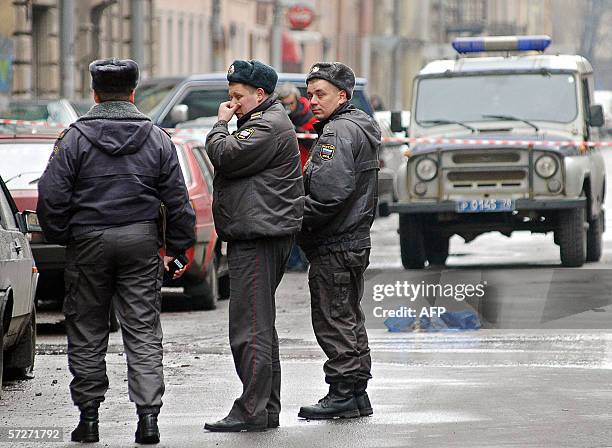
(100, 195)
(340, 181)
(258, 205)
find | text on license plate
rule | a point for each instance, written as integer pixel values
(485, 205)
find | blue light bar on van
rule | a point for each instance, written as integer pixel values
(501, 43)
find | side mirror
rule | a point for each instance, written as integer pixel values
(596, 116)
(396, 122)
(179, 113)
(28, 222)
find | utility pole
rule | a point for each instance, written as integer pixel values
(216, 32)
(67, 60)
(137, 31)
(397, 95)
(276, 57)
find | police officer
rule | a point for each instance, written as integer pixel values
(258, 205)
(100, 195)
(341, 180)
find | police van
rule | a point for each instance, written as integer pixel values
(502, 142)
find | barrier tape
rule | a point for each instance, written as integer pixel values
(456, 141)
(46, 124)
(424, 140)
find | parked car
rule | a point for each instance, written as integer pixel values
(18, 280)
(391, 158)
(25, 158)
(54, 111)
(170, 101)
(206, 269)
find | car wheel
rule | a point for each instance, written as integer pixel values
(436, 248)
(206, 294)
(594, 238)
(19, 363)
(412, 244)
(572, 237)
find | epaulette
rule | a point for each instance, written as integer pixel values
(257, 114)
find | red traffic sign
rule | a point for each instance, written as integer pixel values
(300, 17)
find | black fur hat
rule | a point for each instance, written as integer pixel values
(253, 73)
(113, 75)
(337, 73)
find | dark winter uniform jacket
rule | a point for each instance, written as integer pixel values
(113, 167)
(258, 187)
(341, 183)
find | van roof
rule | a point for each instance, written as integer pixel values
(511, 63)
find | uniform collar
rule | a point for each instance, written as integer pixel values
(114, 110)
(263, 106)
(346, 107)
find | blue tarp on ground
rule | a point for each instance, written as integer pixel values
(448, 321)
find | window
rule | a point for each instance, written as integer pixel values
(184, 163)
(207, 171)
(201, 103)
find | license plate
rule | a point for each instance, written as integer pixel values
(485, 205)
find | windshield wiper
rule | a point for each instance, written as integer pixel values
(443, 121)
(21, 174)
(511, 118)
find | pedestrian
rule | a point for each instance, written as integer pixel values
(258, 205)
(300, 114)
(100, 195)
(298, 108)
(340, 180)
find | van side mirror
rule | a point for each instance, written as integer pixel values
(179, 113)
(596, 116)
(396, 122)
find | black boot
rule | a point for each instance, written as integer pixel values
(147, 431)
(363, 401)
(338, 403)
(87, 429)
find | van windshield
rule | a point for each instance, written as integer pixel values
(531, 96)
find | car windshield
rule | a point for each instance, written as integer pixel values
(23, 163)
(149, 96)
(51, 111)
(533, 97)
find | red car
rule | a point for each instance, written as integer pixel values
(205, 280)
(24, 158)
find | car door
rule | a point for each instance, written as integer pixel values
(16, 261)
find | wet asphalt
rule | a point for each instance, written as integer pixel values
(536, 374)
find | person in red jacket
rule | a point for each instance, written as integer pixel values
(300, 115)
(303, 120)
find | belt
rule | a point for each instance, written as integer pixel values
(146, 227)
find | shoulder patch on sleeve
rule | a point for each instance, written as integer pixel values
(245, 134)
(327, 151)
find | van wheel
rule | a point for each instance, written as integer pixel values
(436, 248)
(594, 238)
(20, 361)
(412, 244)
(205, 295)
(572, 237)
